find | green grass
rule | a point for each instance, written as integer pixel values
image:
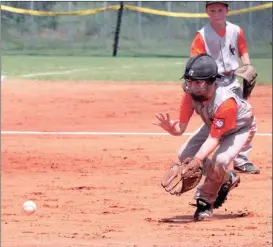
(123, 69)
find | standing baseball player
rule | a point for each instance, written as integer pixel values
(226, 43)
(229, 125)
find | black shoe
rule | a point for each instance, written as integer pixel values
(203, 211)
(232, 182)
(247, 168)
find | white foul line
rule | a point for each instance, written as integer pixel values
(99, 133)
(53, 73)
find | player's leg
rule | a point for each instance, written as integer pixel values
(242, 162)
(193, 144)
(217, 172)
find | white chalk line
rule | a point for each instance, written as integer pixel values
(79, 70)
(98, 69)
(88, 133)
(53, 73)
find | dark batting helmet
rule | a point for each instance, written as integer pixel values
(200, 68)
(211, 2)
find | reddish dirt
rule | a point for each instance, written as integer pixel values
(104, 190)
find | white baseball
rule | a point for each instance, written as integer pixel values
(29, 207)
(3, 78)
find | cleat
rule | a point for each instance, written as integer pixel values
(232, 182)
(248, 168)
(203, 211)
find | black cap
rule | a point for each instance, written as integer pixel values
(201, 67)
(211, 2)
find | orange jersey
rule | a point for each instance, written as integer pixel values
(224, 119)
(198, 44)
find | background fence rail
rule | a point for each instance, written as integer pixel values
(141, 34)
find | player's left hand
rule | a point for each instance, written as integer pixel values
(249, 74)
(182, 177)
(165, 122)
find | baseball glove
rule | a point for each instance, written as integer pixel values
(249, 75)
(183, 177)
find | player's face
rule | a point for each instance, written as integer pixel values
(196, 87)
(200, 90)
(217, 13)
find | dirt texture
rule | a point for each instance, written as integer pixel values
(104, 190)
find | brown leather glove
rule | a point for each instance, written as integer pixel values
(249, 75)
(183, 177)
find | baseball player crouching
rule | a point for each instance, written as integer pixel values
(228, 127)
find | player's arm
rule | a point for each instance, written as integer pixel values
(177, 127)
(174, 127)
(198, 45)
(242, 45)
(224, 120)
(207, 148)
(245, 58)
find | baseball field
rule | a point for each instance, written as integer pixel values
(78, 140)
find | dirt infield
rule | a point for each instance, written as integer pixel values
(104, 190)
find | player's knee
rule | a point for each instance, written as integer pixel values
(221, 161)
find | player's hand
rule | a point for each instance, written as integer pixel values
(165, 122)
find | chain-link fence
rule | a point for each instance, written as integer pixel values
(141, 34)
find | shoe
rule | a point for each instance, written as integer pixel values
(203, 211)
(247, 168)
(232, 182)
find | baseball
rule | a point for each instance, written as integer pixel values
(2, 78)
(29, 207)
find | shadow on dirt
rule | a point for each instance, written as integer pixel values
(189, 218)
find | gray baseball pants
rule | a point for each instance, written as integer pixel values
(216, 167)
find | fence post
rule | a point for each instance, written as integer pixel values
(33, 28)
(104, 6)
(250, 24)
(105, 22)
(169, 7)
(197, 20)
(69, 29)
(139, 24)
(119, 19)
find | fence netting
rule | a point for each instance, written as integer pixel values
(141, 34)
